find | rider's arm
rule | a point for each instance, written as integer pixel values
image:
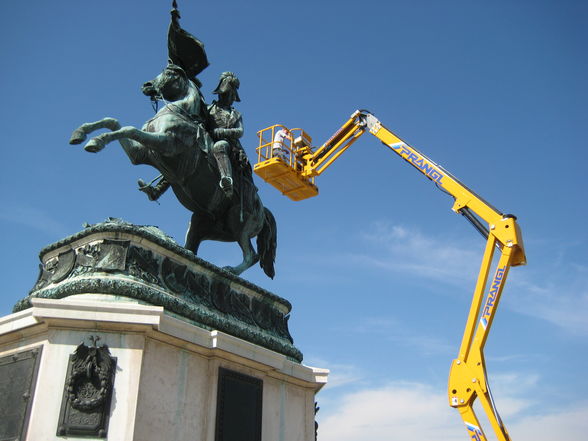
(234, 132)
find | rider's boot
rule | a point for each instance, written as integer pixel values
(224, 166)
(153, 192)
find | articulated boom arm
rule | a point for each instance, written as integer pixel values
(467, 377)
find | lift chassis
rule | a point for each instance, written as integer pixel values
(294, 173)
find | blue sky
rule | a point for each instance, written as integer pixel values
(378, 268)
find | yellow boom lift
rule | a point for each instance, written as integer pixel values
(290, 164)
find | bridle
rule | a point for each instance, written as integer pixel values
(172, 107)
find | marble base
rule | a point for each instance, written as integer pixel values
(167, 370)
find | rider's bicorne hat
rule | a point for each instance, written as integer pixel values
(184, 49)
(228, 80)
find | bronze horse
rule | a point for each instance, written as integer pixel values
(175, 142)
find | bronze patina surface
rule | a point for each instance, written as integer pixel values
(196, 149)
(123, 260)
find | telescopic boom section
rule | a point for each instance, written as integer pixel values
(293, 174)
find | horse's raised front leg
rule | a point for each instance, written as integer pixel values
(156, 141)
(134, 150)
(79, 135)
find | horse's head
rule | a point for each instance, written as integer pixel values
(172, 84)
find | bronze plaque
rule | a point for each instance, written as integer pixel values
(85, 407)
(18, 374)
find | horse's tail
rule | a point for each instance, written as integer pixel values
(267, 241)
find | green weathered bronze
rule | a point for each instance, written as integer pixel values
(123, 260)
(87, 395)
(196, 149)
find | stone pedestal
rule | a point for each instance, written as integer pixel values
(128, 336)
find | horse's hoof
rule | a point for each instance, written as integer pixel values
(94, 146)
(77, 137)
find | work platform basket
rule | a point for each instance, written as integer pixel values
(281, 163)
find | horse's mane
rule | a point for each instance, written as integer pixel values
(193, 102)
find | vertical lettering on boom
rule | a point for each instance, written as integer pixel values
(491, 299)
(475, 432)
(418, 161)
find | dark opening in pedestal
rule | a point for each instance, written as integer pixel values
(239, 407)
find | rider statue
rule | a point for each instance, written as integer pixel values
(196, 149)
(225, 126)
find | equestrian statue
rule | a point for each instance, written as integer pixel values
(197, 151)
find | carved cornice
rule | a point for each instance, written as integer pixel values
(141, 262)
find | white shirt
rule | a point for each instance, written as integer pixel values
(279, 139)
